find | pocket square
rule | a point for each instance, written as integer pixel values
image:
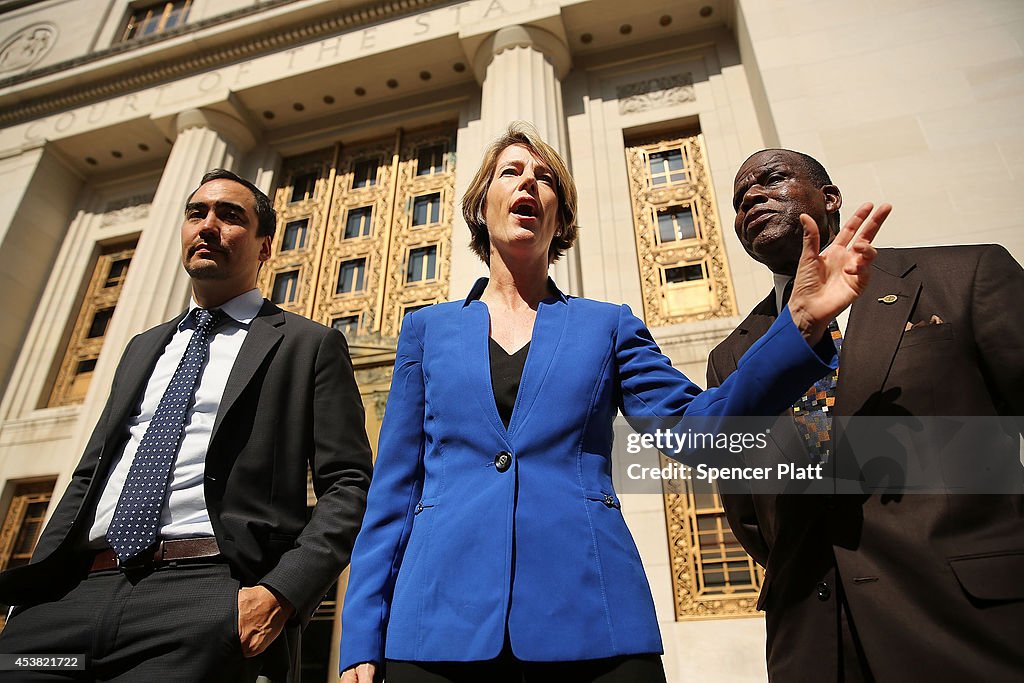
(934, 320)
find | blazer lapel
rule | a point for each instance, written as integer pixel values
(474, 326)
(264, 334)
(753, 328)
(547, 335)
(877, 322)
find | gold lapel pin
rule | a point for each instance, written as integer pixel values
(888, 299)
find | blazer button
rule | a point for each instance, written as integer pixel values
(823, 590)
(502, 461)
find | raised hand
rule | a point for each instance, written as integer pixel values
(829, 281)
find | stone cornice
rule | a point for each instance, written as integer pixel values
(128, 77)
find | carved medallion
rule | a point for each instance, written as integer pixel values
(26, 47)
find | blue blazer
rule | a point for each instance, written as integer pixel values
(454, 548)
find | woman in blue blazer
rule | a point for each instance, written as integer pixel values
(493, 547)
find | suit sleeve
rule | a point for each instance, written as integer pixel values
(739, 507)
(999, 332)
(340, 464)
(770, 376)
(396, 488)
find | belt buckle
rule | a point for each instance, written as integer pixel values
(134, 563)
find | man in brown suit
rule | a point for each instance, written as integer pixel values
(897, 586)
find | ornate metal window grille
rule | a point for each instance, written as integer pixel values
(90, 328)
(359, 202)
(712, 575)
(676, 227)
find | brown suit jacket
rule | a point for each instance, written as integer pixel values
(934, 583)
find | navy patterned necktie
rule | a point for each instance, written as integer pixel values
(136, 519)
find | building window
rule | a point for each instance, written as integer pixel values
(359, 222)
(711, 573)
(303, 187)
(681, 274)
(116, 274)
(430, 160)
(158, 17)
(24, 522)
(294, 236)
(286, 287)
(364, 173)
(686, 288)
(412, 309)
(351, 276)
(676, 223)
(422, 264)
(98, 326)
(426, 210)
(667, 167)
(346, 324)
(684, 273)
(91, 325)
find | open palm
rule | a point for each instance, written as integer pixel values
(827, 282)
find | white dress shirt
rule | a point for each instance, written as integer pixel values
(780, 288)
(184, 514)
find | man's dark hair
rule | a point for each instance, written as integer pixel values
(814, 169)
(265, 215)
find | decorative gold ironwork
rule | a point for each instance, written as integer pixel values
(24, 522)
(669, 180)
(309, 206)
(402, 295)
(90, 328)
(712, 576)
(360, 217)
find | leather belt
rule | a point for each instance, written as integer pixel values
(170, 550)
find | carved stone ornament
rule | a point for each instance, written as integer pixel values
(653, 93)
(27, 47)
(127, 209)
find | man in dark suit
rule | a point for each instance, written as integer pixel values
(898, 586)
(181, 549)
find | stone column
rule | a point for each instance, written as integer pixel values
(157, 287)
(521, 70)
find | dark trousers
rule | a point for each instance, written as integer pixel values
(175, 623)
(507, 669)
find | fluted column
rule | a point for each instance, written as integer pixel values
(521, 69)
(157, 287)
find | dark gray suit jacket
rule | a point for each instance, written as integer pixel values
(291, 402)
(935, 583)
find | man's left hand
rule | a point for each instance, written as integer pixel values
(261, 618)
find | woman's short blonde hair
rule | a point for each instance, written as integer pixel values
(521, 133)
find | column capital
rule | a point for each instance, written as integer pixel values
(229, 127)
(548, 44)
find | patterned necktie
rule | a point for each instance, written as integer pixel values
(136, 519)
(813, 411)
